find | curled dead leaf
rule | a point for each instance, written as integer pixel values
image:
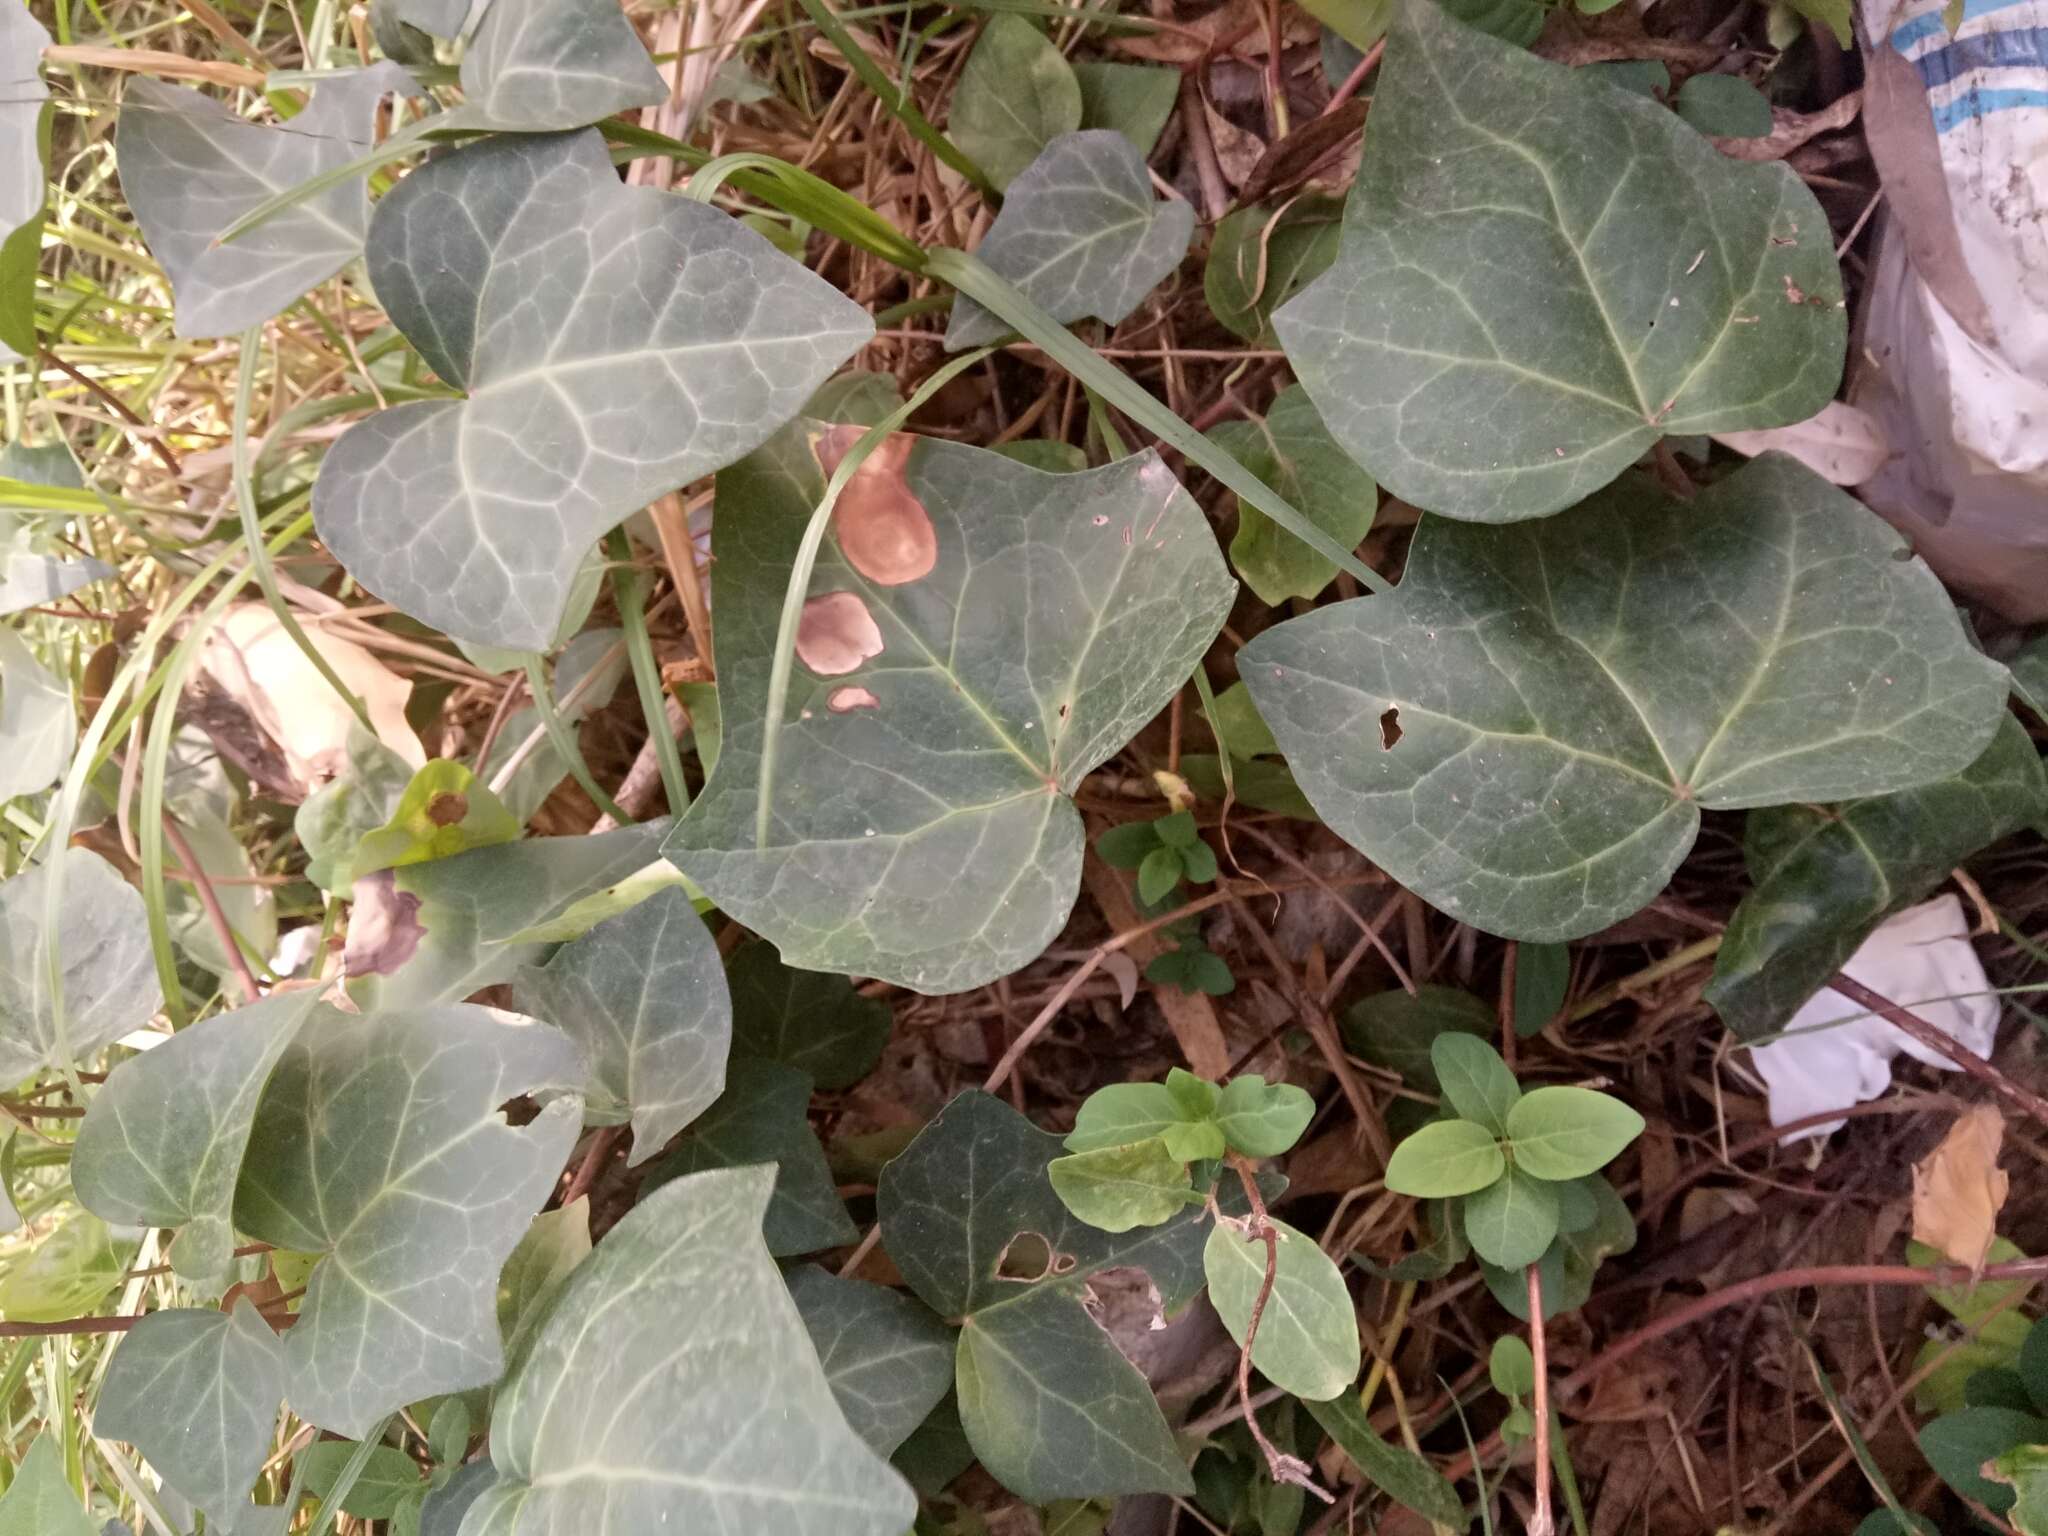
(1959, 1189)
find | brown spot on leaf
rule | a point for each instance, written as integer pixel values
(836, 633)
(445, 810)
(1390, 729)
(843, 701)
(883, 529)
(384, 927)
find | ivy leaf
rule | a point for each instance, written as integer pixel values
(1445, 1158)
(1567, 1133)
(196, 1392)
(1957, 1445)
(551, 63)
(1307, 1342)
(335, 818)
(163, 1140)
(109, 980)
(29, 577)
(455, 921)
(1134, 99)
(1512, 320)
(474, 515)
(1477, 1084)
(443, 811)
(764, 1117)
(36, 721)
(971, 1220)
(379, 1143)
(190, 168)
(1825, 878)
(1080, 234)
(1399, 1029)
(553, 1246)
(386, 1479)
(1262, 1119)
(1016, 94)
(920, 830)
(804, 1019)
(1511, 1222)
(644, 995)
(1726, 106)
(39, 1501)
(674, 1383)
(1526, 730)
(1261, 257)
(24, 100)
(1399, 1473)
(1118, 1188)
(1293, 452)
(888, 1358)
(444, 1508)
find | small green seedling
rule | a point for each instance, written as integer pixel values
(1163, 852)
(1141, 1153)
(1519, 1167)
(1994, 1449)
(1513, 1370)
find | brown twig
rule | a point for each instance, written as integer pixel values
(1910, 1023)
(1540, 1521)
(120, 408)
(215, 913)
(1280, 1466)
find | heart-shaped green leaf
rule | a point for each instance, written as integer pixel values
(474, 515)
(1307, 1342)
(888, 1357)
(109, 981)
(980, 636)
(190, 168)
(37, 721)
(764, 1117)
(970, 1217)
(1017, 93)
(442, 811)
(540, 64)
(1476, 1083)
(1510, 1222)
(196, 1391)
(1445, 1158)
(1293, 452)
(1567, 1133)
(1524, 732)
(644, 995)
(1117, 1188)
(1513, 319)
(1825, 878)
(674, 1386)
(1134, 99)
(162, 1142)
(1262, 1119)
(816, 1023)
(39, 1501)
(1080, 234)
(380, 1144)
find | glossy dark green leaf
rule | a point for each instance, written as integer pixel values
(1307, 1342)
(473, 515)
(1293, 452)
(1398, 1029)
(644, 995)
(814, 1022)
(1525, 732)
(1015, 96)
(1826, 877)
(1134, 99)
(1261, 257)
(887, 1356)
(1477, 1084)
(163, 1140)
(675, 1386)
(108, 979)
(1399, 1473)
(2030, 675)
(190, 168)
(764, 1117)
(379, 1144)
(971, 1220)
(539, 64)
(39, 1501)
(919, 825)
(1513, 318)
(1724, 106)
(1139, 1184)
(1543, 976)
(1081, 234)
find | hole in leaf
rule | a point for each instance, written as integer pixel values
(1028, 1256)
(1390, 729)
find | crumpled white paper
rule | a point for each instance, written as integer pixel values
(1920, 959)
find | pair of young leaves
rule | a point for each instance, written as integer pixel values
(1128, 1166)
(1163, 852)
(1512, 1157)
